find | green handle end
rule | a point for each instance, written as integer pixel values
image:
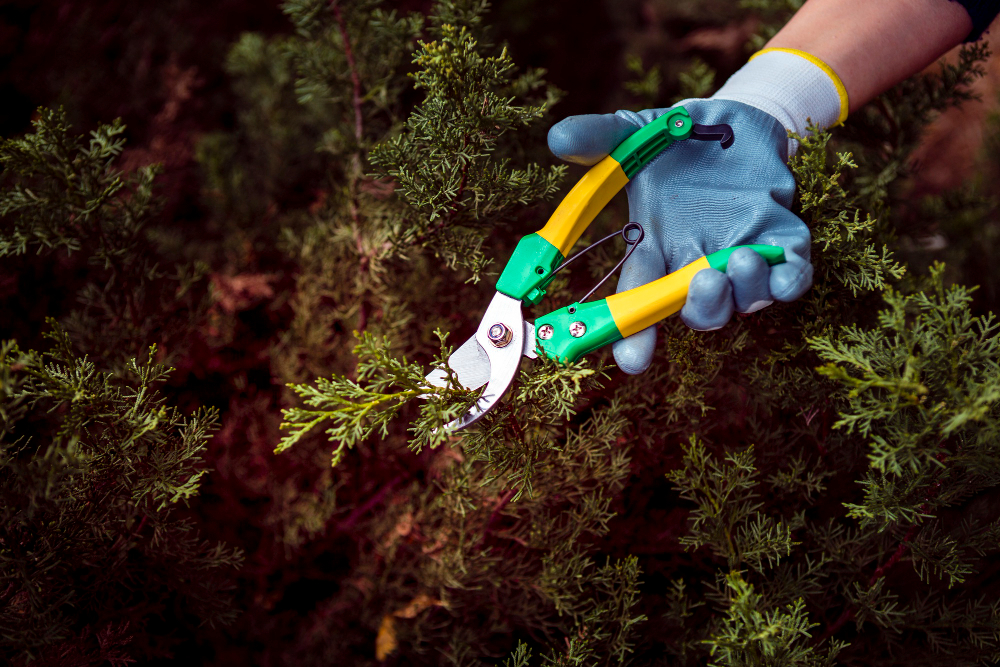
(651, 139)
(571, 332)
(772, 254)
(529, 269)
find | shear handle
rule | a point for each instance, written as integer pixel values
(571, 332)
(537, 256)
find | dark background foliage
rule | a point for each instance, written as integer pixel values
(303, 529)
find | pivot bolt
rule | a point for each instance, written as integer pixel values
(500, 335)
(577, 329)
(678, 123)
(545, 331)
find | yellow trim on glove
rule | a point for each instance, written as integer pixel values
(837, 83)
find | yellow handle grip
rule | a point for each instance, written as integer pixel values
(591, 194)
(647, 304)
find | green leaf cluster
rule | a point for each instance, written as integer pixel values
(62, 192)
(360, 409)
(444, 163)
(94, 463)
(92, 467)
(727, 517)
(780, 542)
(753, 635)
(63, 197)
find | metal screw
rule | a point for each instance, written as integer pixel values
(500, 335)
(577, 329)
(545, 331)
(678, 123)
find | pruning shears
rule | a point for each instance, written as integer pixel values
(491, 357)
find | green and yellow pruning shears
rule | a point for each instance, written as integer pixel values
(491, 357)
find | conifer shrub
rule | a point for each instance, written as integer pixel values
(96, 557)
(813, 484)
(802, 485)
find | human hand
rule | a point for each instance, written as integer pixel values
(696, 198)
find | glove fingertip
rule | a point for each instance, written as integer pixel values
(588, 138)
(790, 280)
(709, 304)
(749, 275)
(635, 353)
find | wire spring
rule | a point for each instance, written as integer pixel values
(632, 244)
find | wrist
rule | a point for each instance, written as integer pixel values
(792, 86)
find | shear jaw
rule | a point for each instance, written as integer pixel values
(501, 336)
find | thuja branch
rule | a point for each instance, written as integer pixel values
(353, 66)
(357, 158)
(449, 162)
(353, 410)
(922, 391)
(726, 516)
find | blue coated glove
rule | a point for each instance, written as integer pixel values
(696, 198)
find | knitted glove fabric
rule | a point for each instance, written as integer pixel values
(696, 198)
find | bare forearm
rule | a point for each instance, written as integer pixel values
(874, 44)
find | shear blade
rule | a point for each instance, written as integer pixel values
(471, 366)
(478, 361)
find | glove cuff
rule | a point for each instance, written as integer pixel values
(793, 86)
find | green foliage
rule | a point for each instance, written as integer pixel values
(362, 408)
(480, 532)
(752, 635)
(370, 246)
(246, 174)
(727, 517)
(785, 549)
(844, 242)
(645, 84)
(884, 134)
(922, 390)
(378, 41)
(696, 81)
(923, 386)
(443, 162)
(732, 506)
(605, 630)
(532, 550)
(513, 506)
(63, 194)
(92, 465)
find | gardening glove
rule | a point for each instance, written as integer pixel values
(696, 198)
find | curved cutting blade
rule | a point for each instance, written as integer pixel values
(470, 363)
(503, 360)
(479, 361)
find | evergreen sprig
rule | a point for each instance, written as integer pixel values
(62, 192)
(843, 238)
(644, 84)
(726, 517)
(92, 464)
(445, 162)
(924, 385)
(355, 410)
(606, 628)
(752, 634)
